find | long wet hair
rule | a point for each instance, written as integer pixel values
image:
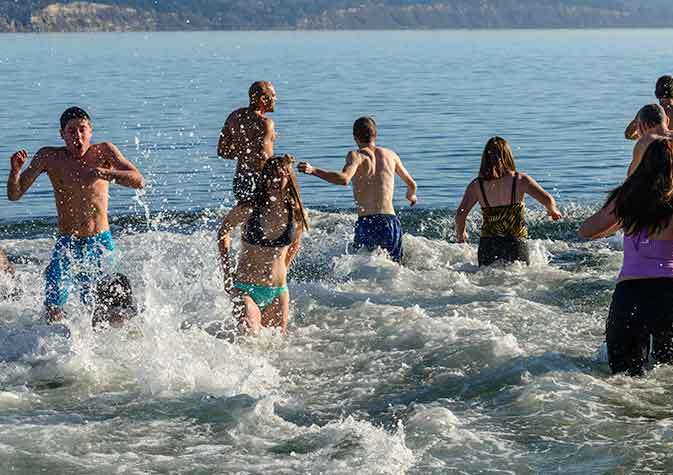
(270, 171)
(496, 160)
(645, 200)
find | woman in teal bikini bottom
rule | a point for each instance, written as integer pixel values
(270, 240)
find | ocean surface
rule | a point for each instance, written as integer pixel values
(431, 367)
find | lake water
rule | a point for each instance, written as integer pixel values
(430, 367)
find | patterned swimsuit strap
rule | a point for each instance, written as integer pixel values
(514, 178)
(483, 192)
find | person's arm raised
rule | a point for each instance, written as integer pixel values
(234, 218)
(343, 177)
(470, 198)
(541, 196)
(632, 131)
(122, 171)
(603, 223)
(17, 182)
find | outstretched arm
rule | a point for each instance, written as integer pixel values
(344, 177)
(406, 178)
(122, 171)
(603, 223)
(470, 198)
(234, 218)
(17, 182)
(541, 196)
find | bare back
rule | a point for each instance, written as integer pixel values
(247, 136)
(81, 197)
(499, 191)
(374, 180)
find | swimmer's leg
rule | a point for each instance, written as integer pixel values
(58, 280)
(662, 347)
(247, 313)
(276, 313)
(626, 337)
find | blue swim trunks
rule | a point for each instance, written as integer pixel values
(81, 259)
(379, 230)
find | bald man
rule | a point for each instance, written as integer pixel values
(247, 137)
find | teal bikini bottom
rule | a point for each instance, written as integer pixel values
(263, 295)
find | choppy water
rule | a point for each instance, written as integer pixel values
(430, 367)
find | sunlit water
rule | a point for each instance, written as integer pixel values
(434, 366)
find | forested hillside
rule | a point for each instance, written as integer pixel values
(115, 15)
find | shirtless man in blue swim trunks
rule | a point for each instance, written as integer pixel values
(80, 174)
(372, 170)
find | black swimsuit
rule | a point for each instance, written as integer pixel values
(254, 232)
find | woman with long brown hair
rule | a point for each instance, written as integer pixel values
(641, 311)
(271, 233)
(500, 191)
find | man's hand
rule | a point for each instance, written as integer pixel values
(305, 167)
(18, 160)
(411, 196)
(554, 214)
(463, 237)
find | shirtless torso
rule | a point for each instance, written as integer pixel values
(80, 185)
(374, 179)
(247, 137)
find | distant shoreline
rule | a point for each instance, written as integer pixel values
(346, 30)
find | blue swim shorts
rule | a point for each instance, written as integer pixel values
(79, 259)
(379, 230)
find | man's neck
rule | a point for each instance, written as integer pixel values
(257, 109)
(369, 146)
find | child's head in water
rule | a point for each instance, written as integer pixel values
(114, 302)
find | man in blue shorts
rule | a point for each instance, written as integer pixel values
(80, 174)
(372, 170)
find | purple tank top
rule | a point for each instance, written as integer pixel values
(644, 257)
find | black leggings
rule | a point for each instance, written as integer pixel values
(500, 248)
(640, 308)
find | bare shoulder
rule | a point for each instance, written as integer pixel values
(50, 152)
(105, 149)
(473, 186)
(524, 179)
(388, 152)
(47, 155)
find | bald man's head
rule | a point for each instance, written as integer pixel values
(262, 96)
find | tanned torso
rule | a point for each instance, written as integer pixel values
(247, 137)
(374, 180)
(81, 196)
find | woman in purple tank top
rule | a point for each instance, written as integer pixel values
(640, 322)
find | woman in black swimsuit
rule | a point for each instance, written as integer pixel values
(273, 223)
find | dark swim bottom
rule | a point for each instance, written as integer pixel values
(501, 248)
(379, 230)
(244, 187)
(641, 316)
